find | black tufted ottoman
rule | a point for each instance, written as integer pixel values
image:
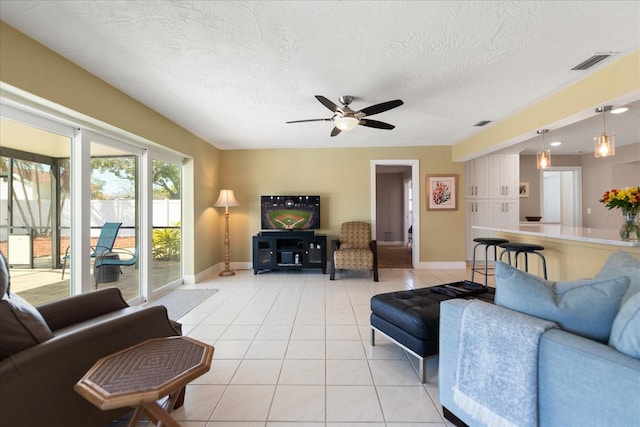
(411, 318)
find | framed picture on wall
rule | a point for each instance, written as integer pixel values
(524, 189)
(442, 192)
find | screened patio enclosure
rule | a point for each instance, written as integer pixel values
(38, 218)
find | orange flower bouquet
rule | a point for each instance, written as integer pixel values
(628, 201)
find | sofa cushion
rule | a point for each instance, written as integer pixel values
(21, 326)
(625, 332)
(621, 263)
(5, 280)
(584, 307)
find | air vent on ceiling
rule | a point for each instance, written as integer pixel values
(585, 65)
(483, 123)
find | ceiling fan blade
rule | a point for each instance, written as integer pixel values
(330, 105)
(375, 124)
(309, 120)
(379, 108)
(335, 131)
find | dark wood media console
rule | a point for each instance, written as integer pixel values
(284, 250)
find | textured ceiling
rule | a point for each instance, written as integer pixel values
(233, 72)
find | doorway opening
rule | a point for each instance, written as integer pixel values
(562, 195)
(395, 221)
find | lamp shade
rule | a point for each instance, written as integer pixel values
(605, 145)
(544, 159)
(544, 155)
(226, 199)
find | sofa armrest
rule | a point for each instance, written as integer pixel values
(450, 318)
(79, 308)
(50, 370)
(600, 385)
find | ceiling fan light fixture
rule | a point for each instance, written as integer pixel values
(604, 142)
(346, 122)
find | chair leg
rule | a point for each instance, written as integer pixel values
(332, 271)
(64, 267)
(544, 264)
(64, 264)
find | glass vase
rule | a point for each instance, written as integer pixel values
(630, 229)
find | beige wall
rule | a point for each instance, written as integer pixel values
(390, 212)
(617, 79)
(621, 170)
(529, 172)
(598, 176)
(342, 177)
(29, 66)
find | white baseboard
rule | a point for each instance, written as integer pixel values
(442, 265)
(217, 268)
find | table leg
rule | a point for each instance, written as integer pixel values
(133, 422)
(164, 419)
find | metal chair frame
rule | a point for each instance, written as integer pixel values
(105, 243)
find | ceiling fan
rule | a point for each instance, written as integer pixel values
(344, 118)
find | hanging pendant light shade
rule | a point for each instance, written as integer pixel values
(544, 156)
(605, 144)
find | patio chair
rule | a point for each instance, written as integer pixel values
(112, 258)
(105, 242)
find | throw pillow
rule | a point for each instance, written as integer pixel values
(621, 263)
(584, 307)
(625, 332)
(21, 326)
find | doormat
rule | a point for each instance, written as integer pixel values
(181, 301)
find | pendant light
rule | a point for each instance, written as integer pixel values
(605, 145)
(544, 156)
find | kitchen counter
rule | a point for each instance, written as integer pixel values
(572, 253)
(557, 231)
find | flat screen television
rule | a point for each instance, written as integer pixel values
(290, 212)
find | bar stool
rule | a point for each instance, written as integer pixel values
(526, 249)
(487, 242)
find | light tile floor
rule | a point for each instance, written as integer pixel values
(293, 349)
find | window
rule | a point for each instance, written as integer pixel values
(60, 183)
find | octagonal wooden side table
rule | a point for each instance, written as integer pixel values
(141, 375)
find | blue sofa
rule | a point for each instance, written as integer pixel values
(586, 353)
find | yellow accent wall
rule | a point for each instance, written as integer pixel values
(617, 79)
(31, 67)
(342, 177)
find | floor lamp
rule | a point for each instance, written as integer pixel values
(226, 199)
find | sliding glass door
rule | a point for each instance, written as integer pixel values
(167, 223)
(34, 194)
(115, 199)
(60, 184)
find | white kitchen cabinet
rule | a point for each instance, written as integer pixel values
(505, 212)
(504, 175)
(477, 178)
(491, 195)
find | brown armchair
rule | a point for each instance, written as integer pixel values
(355, 250)
(45, 350)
